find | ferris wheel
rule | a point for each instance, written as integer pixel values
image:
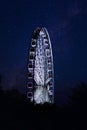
(40, 79)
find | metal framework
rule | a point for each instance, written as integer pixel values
(40, 82)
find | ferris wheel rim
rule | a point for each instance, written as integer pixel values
(44, 33)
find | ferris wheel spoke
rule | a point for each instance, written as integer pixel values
(42, 68)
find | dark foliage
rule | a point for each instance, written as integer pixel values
(17, 113)
(79, 96)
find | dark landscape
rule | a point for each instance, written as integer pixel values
(17, 113)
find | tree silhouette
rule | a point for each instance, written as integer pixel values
(0, 82)
(79, 96)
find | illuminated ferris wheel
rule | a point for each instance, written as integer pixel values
(40, 82)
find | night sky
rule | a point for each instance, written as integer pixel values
(66, 22)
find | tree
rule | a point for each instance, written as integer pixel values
(0, 82)
(79, 96)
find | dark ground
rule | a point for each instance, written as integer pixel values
(17, 113)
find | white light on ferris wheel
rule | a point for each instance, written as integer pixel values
(40, 81)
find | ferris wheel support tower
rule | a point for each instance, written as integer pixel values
(40, 78)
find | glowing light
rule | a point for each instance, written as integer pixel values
(42, 67)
